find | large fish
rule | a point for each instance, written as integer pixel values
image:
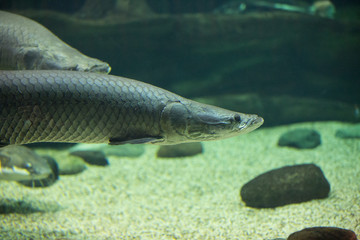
(26, 44)
(69, 106)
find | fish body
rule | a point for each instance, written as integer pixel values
(69, 106)
(26, 44)
(18, 163)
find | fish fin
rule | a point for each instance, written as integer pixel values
(119, 141)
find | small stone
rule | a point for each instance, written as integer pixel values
(349, 132)
(92, 157)
(180, 150)
(286, 185)
(323, 233)
(70, 165)
(300, 138)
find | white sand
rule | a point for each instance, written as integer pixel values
(189, 198)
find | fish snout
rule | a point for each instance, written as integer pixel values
(257, 121)
(101, 68)
(253, 123)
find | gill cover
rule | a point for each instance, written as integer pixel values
(173, 122)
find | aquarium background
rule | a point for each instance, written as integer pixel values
(295, 70)
(285, 66)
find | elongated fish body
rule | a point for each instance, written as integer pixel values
(26, 44)
(69, 106)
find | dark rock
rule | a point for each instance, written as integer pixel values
(323, 233)
(92, 157)
(286, 185)
(179, 150)
(300, 138)
(349, 132)
(70, 165)
(50, 180)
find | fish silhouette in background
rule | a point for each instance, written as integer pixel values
(26, 44)
(322, 8)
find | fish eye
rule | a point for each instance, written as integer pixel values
(237, 118)
(28, 165)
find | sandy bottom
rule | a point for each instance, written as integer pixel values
(187, 198)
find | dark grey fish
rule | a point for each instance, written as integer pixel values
(19, 163)
(26, 44)
(69, 106)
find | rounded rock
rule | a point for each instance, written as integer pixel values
(180, 150)
(300, 138)
(323, 233)
(286, 185)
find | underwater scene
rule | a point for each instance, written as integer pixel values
(168, 119)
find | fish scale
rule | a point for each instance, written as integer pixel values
(70, 106)
(91, 110)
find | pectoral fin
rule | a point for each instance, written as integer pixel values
(119, 141)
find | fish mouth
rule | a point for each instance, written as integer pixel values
(102, 68)
(253, 123)
(258, 121)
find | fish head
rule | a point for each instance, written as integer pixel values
(19, 163)
(75, 63)
(63, 58)
(189, 121)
